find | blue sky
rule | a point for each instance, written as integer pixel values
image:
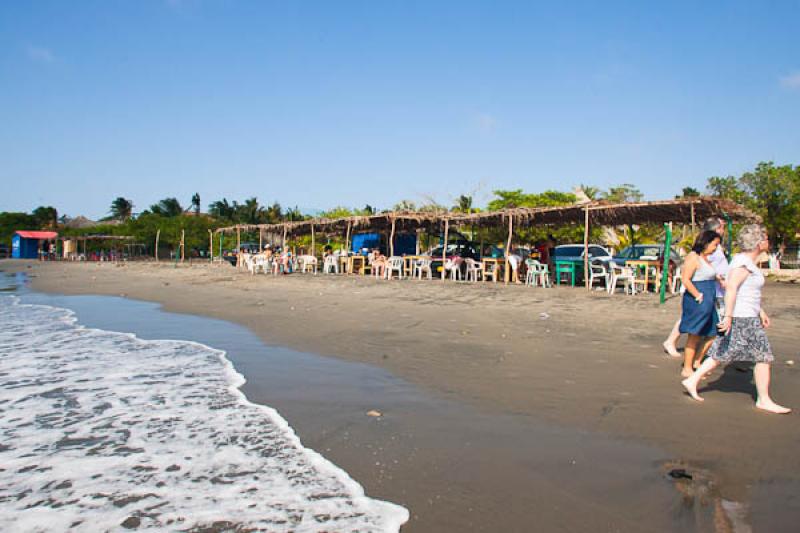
(330, 103)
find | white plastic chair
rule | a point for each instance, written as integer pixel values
(677, 282)
(307, 263)
(420, 267)
(538, 274)
(453, 266)
(394, 264)
(474, 270)
(598, 272)
(261, 263)
(624, 274)
(330, 265)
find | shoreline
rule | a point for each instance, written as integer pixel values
(503, 351)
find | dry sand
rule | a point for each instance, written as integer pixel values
(587, 366)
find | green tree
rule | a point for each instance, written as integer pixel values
(688, 192)
(11, 222)
(405, 205)
(775, 195)
(516, 198)
(593, 193)
(168, 207)
(463, 204)
(121, 209)
(623, 193)
(46, 217)
(221, 209)
(728, 188)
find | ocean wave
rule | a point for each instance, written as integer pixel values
(102, 430)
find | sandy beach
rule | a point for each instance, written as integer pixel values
(553, 410)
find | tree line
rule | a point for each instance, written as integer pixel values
(771, 191)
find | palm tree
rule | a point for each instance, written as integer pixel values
(196, 203)
(121, 208)
(221, 209)
(463, 204)
(168, 207)
(591, 192)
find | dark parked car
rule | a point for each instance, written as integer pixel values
(463, 249)
(230, 255)
(574, 252)
(647, 251)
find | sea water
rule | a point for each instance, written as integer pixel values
(103, 431)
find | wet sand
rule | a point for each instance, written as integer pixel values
(523, 382)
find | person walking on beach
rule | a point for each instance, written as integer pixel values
(720, 264)
(744, 322)
(698, 313)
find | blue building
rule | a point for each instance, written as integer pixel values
(26, 244)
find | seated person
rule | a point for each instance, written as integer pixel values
(378, 262)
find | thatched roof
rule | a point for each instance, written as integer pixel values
(682, 210)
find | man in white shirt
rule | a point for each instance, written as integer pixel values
(719, 262)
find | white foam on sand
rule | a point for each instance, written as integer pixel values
(103, 431)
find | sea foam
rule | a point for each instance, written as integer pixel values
(104, 431)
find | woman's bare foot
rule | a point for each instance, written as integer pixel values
(772, 407)
(691, 388)
(686, 373)
(670, 349)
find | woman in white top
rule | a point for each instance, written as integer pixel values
(742, 328)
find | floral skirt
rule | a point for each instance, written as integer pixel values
(746, 341)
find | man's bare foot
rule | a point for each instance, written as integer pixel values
(670, 349)
(772, 407)
(691, 388)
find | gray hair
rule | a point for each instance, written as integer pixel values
(712, 224)
(750, 237)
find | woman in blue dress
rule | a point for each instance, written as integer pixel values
(699, 316)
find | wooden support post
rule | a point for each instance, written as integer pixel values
(313, 242)
(586, 249)
(347, 237)
(691, 206)
(210, 246)
(416, 248)
(260, 240)
(158, 234)
(391, 239)
(238, 247)
(507, 270)
(283, 245)
(183, 245)
(444, 247)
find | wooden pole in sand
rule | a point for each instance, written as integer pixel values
(507, 274)
(158, 234)
(691, 206)
(210, 246)
(347, 237)
(183, 245)
(283, 245)
(586, 249)
(238, 247)
(416, 249)
(444, 247)
(313, 242)
(260, 240)
(391, 240)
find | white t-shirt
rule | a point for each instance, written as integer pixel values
(748, 297)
